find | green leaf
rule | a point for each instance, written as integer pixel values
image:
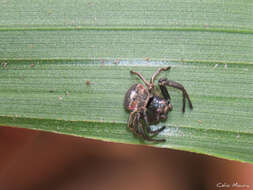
(65, 69)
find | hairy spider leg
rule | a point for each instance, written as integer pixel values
(151, 84)
(134, 121)
(136, 125)
(146, 129)
(165, 92)
(155, 132)
(131, 120)
(165, 82)
(157, 73)
(145, 135)
(141, 77)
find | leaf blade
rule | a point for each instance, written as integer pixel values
(49, 50)
(57, 95)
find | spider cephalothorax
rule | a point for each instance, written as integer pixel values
(146, 107)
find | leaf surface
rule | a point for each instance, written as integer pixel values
(49, 50)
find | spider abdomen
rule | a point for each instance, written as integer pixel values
(137, 96)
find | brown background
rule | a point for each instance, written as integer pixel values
(39, 160)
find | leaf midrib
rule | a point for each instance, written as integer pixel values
(125, 28)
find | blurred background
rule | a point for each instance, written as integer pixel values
(40, 160)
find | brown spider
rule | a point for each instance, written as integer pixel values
(148, 107)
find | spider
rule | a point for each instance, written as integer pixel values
(147, 106)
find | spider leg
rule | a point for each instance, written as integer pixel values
(145, 136)
(137, 124)
(141, 77)
(155, 132)
(151, 84)
(131, 120)
(134, 121)
(165, 82)
(157, 73)
(165, 92)
(137, 120)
